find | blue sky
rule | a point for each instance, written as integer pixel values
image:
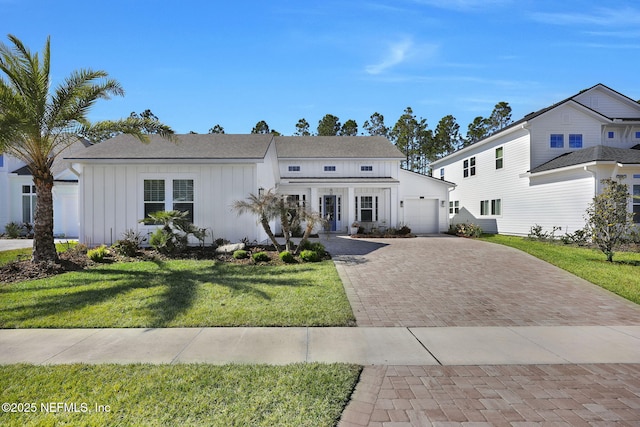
(200, 63)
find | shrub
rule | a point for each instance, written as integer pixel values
(98, 254)
(261, 257)
(579, 237)
(130, 243)
(316, 247)
(404, 230)
(308, 255)
(287, 257)
(536, 233)
(466, 230)
(13, 230)
(240, 254)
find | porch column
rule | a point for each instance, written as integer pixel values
(351, 207)
(395, 203)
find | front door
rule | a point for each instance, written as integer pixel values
(329, 211)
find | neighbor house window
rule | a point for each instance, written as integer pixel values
(294, 168)
(499, 157)
(1, 160)
(329, 168)
(556, 140)
(442, 174)
(367, 208)
(575, 140)
(637, 135)
(611, 135)
(28, 203)
(366, 168)
(469, 167)
(491, 207)
(454, 207)
(636, 204)
(180, 196)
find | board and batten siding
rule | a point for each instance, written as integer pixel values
(345, 168)
(112, 199)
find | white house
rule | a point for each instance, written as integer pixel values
(546, 168)
(18, 194)
(347, 179)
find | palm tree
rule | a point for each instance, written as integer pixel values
(265, 207)
(36, 125)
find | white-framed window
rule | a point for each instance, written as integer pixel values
(499, 157)
(330, 168)
(491, 207)
(469, 167)
(1, 160)
(454, 207)
(294, 168)
(28, 203)
(366, 168)
(366, 208)
(556, 140)
(611, 134)
(442, 174)
(169, 194)
(575, 140)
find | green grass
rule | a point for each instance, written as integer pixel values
(174, 395)
(20, 254)
(180, 293)
(621, 276)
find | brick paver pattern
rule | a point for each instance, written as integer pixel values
(512, 395)
(447, 281)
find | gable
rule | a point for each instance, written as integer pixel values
(609, 103)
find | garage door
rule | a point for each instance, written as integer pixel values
(421, 215)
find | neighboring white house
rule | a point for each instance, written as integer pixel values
(546, 168)
(18, 195)
(347, 179)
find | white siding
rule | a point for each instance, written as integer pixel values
(608, 103)
(113, 199)
(344, 168)
(427, 195)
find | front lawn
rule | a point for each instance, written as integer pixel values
(25, 253)
(621, 276)
(174, 395)
(179, 293)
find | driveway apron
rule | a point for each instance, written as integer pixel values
(430, 283)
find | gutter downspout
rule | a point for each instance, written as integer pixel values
(595, 180)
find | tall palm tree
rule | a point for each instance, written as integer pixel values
(36, 125)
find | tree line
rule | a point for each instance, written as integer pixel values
(410, 133)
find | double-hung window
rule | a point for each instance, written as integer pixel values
(491, 207)
(575, 140)
(367, 208)
(556, 140)
(469, 167)
(454, 207)
(169, 194)
(499, 157)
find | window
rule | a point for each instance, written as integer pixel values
(1, 160)
(367, 208)
(366, 168)
(329, 168)
(636, 204)
(575, 140)
(496, 208)
(484, 207)
(611, 135)
(183, 196)
(469, 167)
(556, 140)
(180, 196)
(294, 168)
(493, 207)
(499, 157)
(28, 203)
(454, 207)
(442, 174)
(637, 135)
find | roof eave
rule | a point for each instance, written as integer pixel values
(180, 160)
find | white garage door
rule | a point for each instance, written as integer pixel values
(421, 215)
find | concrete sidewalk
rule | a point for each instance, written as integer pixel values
(529, 345)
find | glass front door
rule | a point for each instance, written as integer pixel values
(329, 210)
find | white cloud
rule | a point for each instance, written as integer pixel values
(601, 16)
(402, 52)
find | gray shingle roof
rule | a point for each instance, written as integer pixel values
(601, 153)
(356, 147)
(190, 146)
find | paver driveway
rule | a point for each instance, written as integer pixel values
(446, 281)
(449, 281)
